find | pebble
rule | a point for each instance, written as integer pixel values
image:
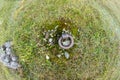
(6, 64)
(7, 57)
(14, 65)
(8, 52)
(66, 55)
(46, 35)
(14, 58)
(2, 56)
(7, 44)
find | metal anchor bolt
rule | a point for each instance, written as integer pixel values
(66, 41)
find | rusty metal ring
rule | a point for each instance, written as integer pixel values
(66, 41)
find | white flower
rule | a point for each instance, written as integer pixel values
(50, 40)
(47, 57)
(59, 55)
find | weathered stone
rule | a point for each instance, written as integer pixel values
(1, 50)
(7, 49)
(8, 53)
(6, 64)
(2, 56)
(14, 65)
(7, 44)
(7, 59)
(67, 55)
(14, 58)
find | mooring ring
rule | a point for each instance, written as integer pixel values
(66, 41)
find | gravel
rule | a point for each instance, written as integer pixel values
(7, 57)
(67, 55)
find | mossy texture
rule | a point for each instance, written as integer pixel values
(93, 24)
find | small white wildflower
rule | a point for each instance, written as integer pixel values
(78, 30)
(44, 39)
(50, 40)
(56, 27)
(65, 23)
(51, 35)
(7, 44)
(59, 55)
(52, 30)
(64, 29)
(47, 57)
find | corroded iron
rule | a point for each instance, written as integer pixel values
(66, 41)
